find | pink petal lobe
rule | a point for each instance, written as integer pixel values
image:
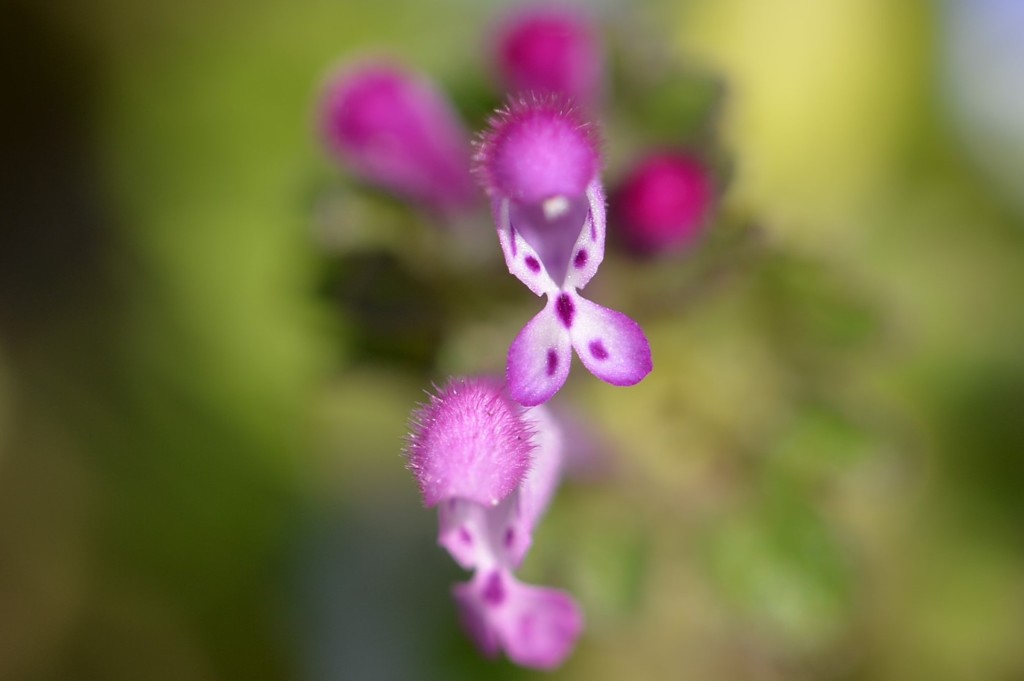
(522, 259)
(536, 626)
(588, 251)
(543, 628)
(539, 358)
(612, 346)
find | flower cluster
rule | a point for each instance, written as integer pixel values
(486, 453)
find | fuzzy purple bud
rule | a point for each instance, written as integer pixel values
(551, 50)
(394, 129)
(469, 442)
(538, 149)
(663, 204)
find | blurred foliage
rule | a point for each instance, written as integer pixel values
(210, 340)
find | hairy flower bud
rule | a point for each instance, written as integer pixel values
(554, 50)
(663, 204)
(469, 442)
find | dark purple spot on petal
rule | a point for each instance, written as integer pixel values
(465, 536)
(512, 239)
(581, 259)
(494, 590)
(593, 230)
(510, 537)
(532, 263)
(598, 350)
(566, 309)
(552, 362)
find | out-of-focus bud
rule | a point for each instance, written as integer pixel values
(394, 129)
(551, 50)
(663, 204)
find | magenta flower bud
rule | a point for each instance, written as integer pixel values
(536, 627)
(469, 442)
(551, 51)
(541, 167)
(538, 149)
(664, 203)
(393, 129)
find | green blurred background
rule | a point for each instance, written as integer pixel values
(200, 434)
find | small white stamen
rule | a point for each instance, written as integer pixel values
(555, 207)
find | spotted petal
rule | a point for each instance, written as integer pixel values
(522, 259)
(539, 358)
(588, 252)
(542, 629)
(610, 344)
(478, 536)
(536, 626)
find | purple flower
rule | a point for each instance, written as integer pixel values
(541, 167)
(467, 444)
(393, 129)
(551, 50)
(535, 626)
(663, 204)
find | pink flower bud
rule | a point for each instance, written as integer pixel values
(663, 204)
(538, 148)
(469, 442)
(393, 129)
(551, 50)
